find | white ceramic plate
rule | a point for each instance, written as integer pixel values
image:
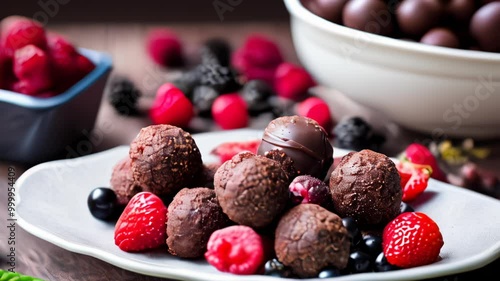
(52, 205)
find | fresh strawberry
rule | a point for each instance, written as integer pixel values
(18, 32)
(227, 150)
(141, 226)
(420, 154)
(414, 179)
(32, 68)
(292, 81)
(412, 239)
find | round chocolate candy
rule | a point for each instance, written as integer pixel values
(460, 11)
(485, 27)
(372, 16)
(303, 140)
(416, 17)
(328, 9)
(440, 36)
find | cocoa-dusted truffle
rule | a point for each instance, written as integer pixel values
(193, 215)
(309, 238)
(252, 189)
(366, 186)
(165, 159)
(122, 181)
(304, 140)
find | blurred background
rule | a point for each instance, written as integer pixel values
(145, 11)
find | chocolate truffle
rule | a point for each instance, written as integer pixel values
(416, 17)
(460, 11)
(441, 36)
(485, 27)
(193, 215)
(165, 159)
(310, 238)
(368, 15)
(303, 140)
(366, 186)
(328, 9)
(252, 189)
(122, 181)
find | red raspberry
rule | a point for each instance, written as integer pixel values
(316, 109)
(420, 154)
(414, 179)
(236, 249)
(68, 66)
(18, 32)
(230, 111)
(292, 82)
(141, 226)
(4, 69)
(164, 47)
(32, 68)
(171, 107)
(227, 150)
(412, 239)
(307, 189)
(257, 58)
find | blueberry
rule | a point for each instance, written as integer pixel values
(354, 232)
(372, 245)
(406, 208)
(329, 272)
(356, 134)
(382, 265)
(256, 93)
(274, 267)
(103, 204)
(359, 262)
(203, 98)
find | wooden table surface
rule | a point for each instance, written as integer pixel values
(125, 43)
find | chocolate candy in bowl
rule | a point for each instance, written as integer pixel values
(440, 91)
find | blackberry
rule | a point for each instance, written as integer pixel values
(356, 134)
(123, 96)
(203, 98)
(257, 93)
(187, 82)
(223, 79)
(216, 51)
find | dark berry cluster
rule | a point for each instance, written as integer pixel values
(123, 96)
(356, 134)
(366, 255)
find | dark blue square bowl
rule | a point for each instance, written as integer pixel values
(35, 130)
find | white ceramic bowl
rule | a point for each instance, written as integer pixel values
(440, 91)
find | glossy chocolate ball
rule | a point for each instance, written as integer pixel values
(303, 140)
(485, 27)
(416, 17)
(372, 16)
(441, 36)
(460, 11)
(328, 9)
